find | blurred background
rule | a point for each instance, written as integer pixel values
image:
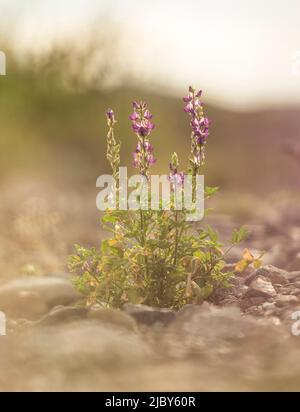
(67, 61)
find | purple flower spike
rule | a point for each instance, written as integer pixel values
(175, 177)
(110, 114)
(140, 118)
(199, 125)
(142, 126)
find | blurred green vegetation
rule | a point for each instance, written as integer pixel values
(48, 127)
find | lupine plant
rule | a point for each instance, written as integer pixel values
(156, 257)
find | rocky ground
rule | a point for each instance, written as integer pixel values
(241, 341)
(245, 338)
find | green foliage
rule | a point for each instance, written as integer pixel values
(238, 235)
(152, 257)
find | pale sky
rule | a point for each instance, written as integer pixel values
(243, 53)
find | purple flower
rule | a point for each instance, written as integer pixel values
(143, 157)
(189, 108)
(136, 159)
(140, 119)
(148, 146)
(150, 159)
(134, 116)
(142, 126)
(147, 115)
(175, 177)
(187, 99)
(199, 125)
(110, 116)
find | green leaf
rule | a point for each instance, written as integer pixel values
(210, 191)
(204, 292)
(212, 234)
(198, 254)
(104, 246)
(239, 234)
(109, 219)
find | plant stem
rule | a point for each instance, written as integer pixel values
(143, 238)
(176, 238)
(178, 235)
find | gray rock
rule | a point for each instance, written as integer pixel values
(296, 284)
(284, 300)
(204, 348)
(275, 275)
(208, 322)
(275, 320)
(260, 287)
(255, 310)
(148, 315)
(294, 276)
(22, 304)
(269, 305)
(32, 297)
(113, 317)
(63, 314)
(248, 301)
(290, 289)
(85, 354)
(229, 295)
(207, 329)
(104, 316)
